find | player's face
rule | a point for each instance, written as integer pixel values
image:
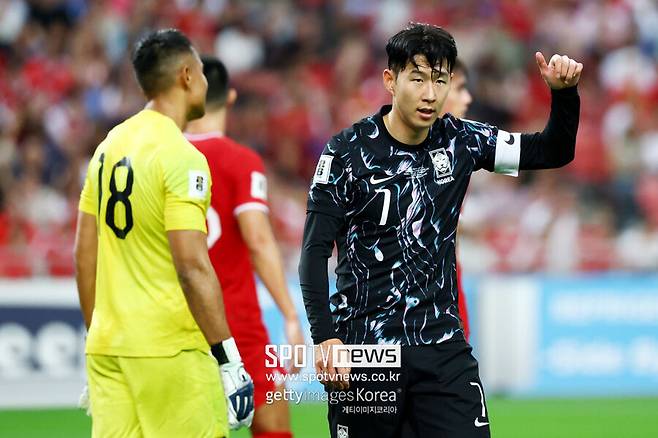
(459, 98)
(197, 89)
(419, 92)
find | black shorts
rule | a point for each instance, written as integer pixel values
(436, 393)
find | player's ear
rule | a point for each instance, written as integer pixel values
(231, 96)
(185, 75)
(388, 77)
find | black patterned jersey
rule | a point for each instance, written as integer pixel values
(396, 274)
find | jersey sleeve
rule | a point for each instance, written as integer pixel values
(250, 184)
(89, 195)
(492, 148)
(187, 189)
(330, 191)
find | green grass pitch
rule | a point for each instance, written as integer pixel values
(549, 418)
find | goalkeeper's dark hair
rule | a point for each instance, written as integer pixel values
(155, 55)
(217, 77)
(433, 42)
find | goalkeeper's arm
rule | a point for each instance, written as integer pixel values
(85, 249)
(199, 283)
(204, 297)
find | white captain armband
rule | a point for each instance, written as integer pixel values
(508, 153)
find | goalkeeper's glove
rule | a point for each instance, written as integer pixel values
(238, 386)
(84, 402)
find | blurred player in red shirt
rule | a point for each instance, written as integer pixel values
(240, 240)
(457, 102)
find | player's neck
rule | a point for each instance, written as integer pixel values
(402, 132)
(170, 109)
(213, 121)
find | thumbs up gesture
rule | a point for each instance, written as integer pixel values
(560, 72)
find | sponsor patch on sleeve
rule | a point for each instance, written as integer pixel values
(323, 170)
(258, 186)
(198, 184)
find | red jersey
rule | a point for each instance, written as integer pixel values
(238, 185)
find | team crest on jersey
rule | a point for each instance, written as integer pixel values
(343, 431)
(442, 166)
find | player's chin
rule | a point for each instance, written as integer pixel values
(196, 112)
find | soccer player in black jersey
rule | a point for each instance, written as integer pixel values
(388, 191)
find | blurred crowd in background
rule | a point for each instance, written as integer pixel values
(306, 69)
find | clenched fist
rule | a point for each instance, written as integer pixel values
(560, 72)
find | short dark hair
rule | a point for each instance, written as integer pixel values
(433, 42)
(153, 56)
(217, 77)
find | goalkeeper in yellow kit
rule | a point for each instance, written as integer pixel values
(148, 292)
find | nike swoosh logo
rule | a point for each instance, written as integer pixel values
(374, 180)
(510, 140)
(478, 423)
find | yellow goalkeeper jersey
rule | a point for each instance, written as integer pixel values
(144, 179)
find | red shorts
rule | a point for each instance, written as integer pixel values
(251, 340)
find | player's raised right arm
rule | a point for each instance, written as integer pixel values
(555, 146)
